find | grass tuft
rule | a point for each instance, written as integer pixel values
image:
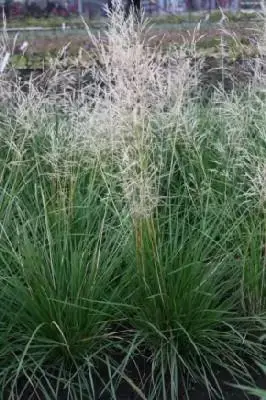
(132, 226)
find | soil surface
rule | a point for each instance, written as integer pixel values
(126, 392)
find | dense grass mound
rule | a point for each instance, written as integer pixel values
(132, 228)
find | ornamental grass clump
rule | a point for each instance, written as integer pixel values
(127, 220)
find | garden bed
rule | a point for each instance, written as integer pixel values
(238, 41)
(192, 17)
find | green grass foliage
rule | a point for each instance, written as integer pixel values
(130, 233)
